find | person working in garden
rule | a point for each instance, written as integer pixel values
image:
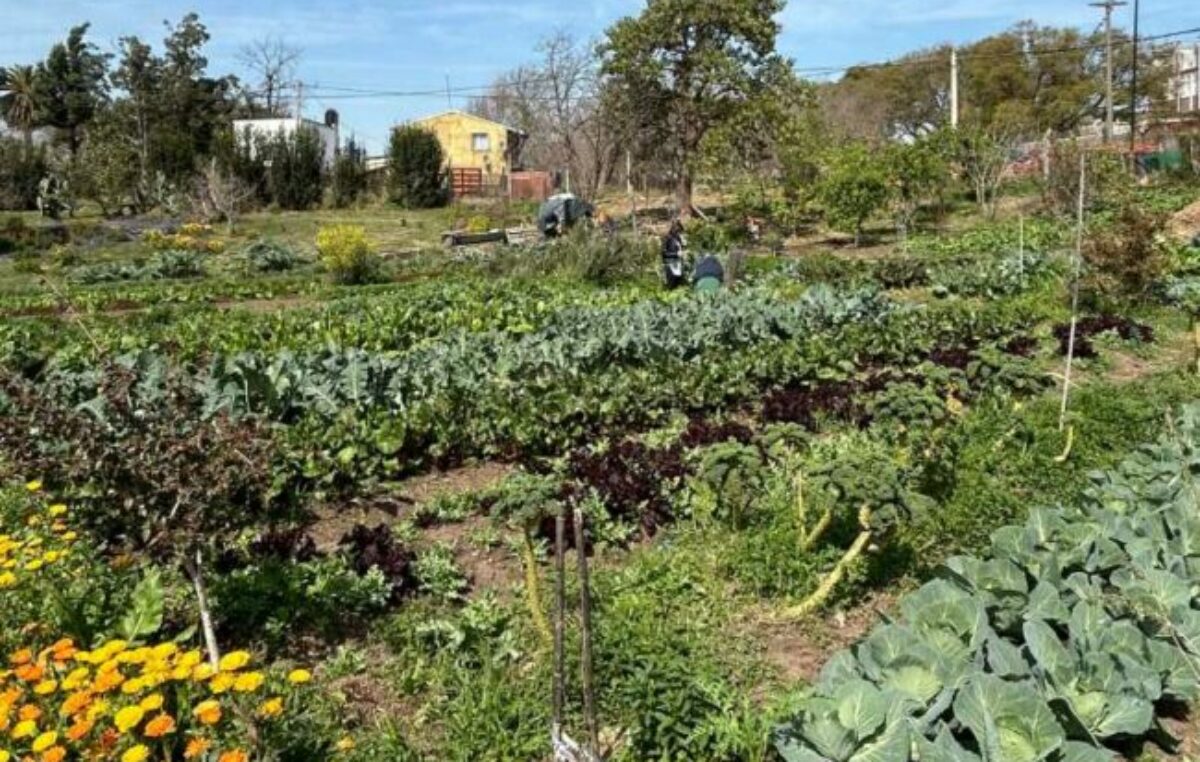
(709, 275)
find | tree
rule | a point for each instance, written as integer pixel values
(19, 104)
(70, 85)
(295, 169)
(221, 195)
(916, 169)
(273, 63)
(557, 103)
(415, 176)
(854, 186)
(349, 181)
(984, 154)
(22, 166)
(105, 169)
(683, 68)
(139, 73)
(907, 98)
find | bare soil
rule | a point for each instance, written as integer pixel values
(1185, 224)
(799, 651)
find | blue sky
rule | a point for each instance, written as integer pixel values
(413, 45)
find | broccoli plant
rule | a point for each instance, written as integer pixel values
(522, 503)
(731, 473)
(867, 486)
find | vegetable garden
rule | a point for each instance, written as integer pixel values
(254, 511)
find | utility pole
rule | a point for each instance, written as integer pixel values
(1133, 98)
(1108, 6)
(954, 88)
(449, 100)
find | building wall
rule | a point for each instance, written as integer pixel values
(1184, 86)
(269, 128)
(456, 132)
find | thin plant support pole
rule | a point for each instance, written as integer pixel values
(560, 597)
(1021, 245)
(585, 640)
(195, 568)
(1066, 396)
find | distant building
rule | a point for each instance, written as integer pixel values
(1183, 89)
(326, 132)
(481, 154)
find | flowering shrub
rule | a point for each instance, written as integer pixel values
(191, 237)
(118, 702)
(346, 252)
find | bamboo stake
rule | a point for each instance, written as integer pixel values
(585, 622)
(195, 571)
(1066, 396)
(560, 597)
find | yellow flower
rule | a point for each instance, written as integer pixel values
(76, 679)
(128, 718)
(137, 753)
(44, 741)
(272, 707)
(233, 661)
(7, 580)
(249, 682)
(34, 485)
(45, 688)
(4, 756)
(152, 703)
(299, 676)
(51, 556)
(208, 712)
(164, 651)
(346, 744)
(190, 659)
(34, 565)
(57, 510)
(70, 537)
(97, 710)
(202, 672)
(24, 729)
(222, 683)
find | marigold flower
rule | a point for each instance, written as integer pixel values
(4, 756)
(56, 510)
(164, 651)
(24, 729)
(237, 755)
(75, 703)
(45, 687)
(208, 712)
(272, 707)
(194, 748)
(233, 661)
(109, 738)
(54, 754)
(44, 741)
(163, 724)
(7, 580)
(51, 557)
(34, 486)
(189, 659)
(152, 702)
(202, 672)
(299, 676)
(345, 744)
(97, 710)
(75, 679)
(70, 536)
(249, 682)
(34, 565)
(30, 673)
(30, 712)
(128, 718)
(222, 682)
(107, 681)
(79, 730)
(22, 657)
(137, 753)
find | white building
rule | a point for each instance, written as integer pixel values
(1183, 89)
(327, 132)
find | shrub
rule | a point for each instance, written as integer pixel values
(349, 180)
(270, 257)
(346, 252)
(1127, 257)
(295, 173)
(21, 169)
(854, 187)
(415, 161)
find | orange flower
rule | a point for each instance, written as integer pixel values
(30, 673)
(54, 754)
(107, 681)
(79, 730)
(163, 724)
(196, 747)
(30, 712)
(75, 703)
(208, 712)
(21, 658)
(237, 755)
(109, 738)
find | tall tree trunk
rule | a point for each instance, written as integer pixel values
(683, 193)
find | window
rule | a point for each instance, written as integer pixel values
(481, 142)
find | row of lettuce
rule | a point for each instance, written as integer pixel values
(1063, 642)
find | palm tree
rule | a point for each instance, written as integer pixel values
(18, 104)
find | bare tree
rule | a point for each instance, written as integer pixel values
(985, 155)
(221, 195)
(556, 101)
(273, 62)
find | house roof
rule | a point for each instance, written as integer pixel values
(460, 112)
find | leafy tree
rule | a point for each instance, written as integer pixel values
(19, 105)
(415, 174)
(22, 166)
(349, 181)
(906, 98)
(106, 168)
(682, 68)
(69, 86)
(984, 153)
(853, 187)
(140, 74)
(916, 168)
(295, 169)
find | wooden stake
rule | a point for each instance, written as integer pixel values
(1066, 396)
(560, 597)
(585, 622)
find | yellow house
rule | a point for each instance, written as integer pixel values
(474, 143)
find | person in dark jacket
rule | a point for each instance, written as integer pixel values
(709, 275)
